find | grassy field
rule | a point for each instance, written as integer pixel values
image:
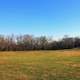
(40, 65)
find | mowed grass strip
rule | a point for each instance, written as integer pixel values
(40, 65)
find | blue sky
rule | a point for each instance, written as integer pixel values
(40, 17)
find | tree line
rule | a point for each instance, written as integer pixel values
(29, 42)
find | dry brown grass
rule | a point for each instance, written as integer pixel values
(40, 65)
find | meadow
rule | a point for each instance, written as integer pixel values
(40, 65)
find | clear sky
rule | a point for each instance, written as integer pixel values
(40, 17)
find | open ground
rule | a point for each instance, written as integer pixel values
(40, 65)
